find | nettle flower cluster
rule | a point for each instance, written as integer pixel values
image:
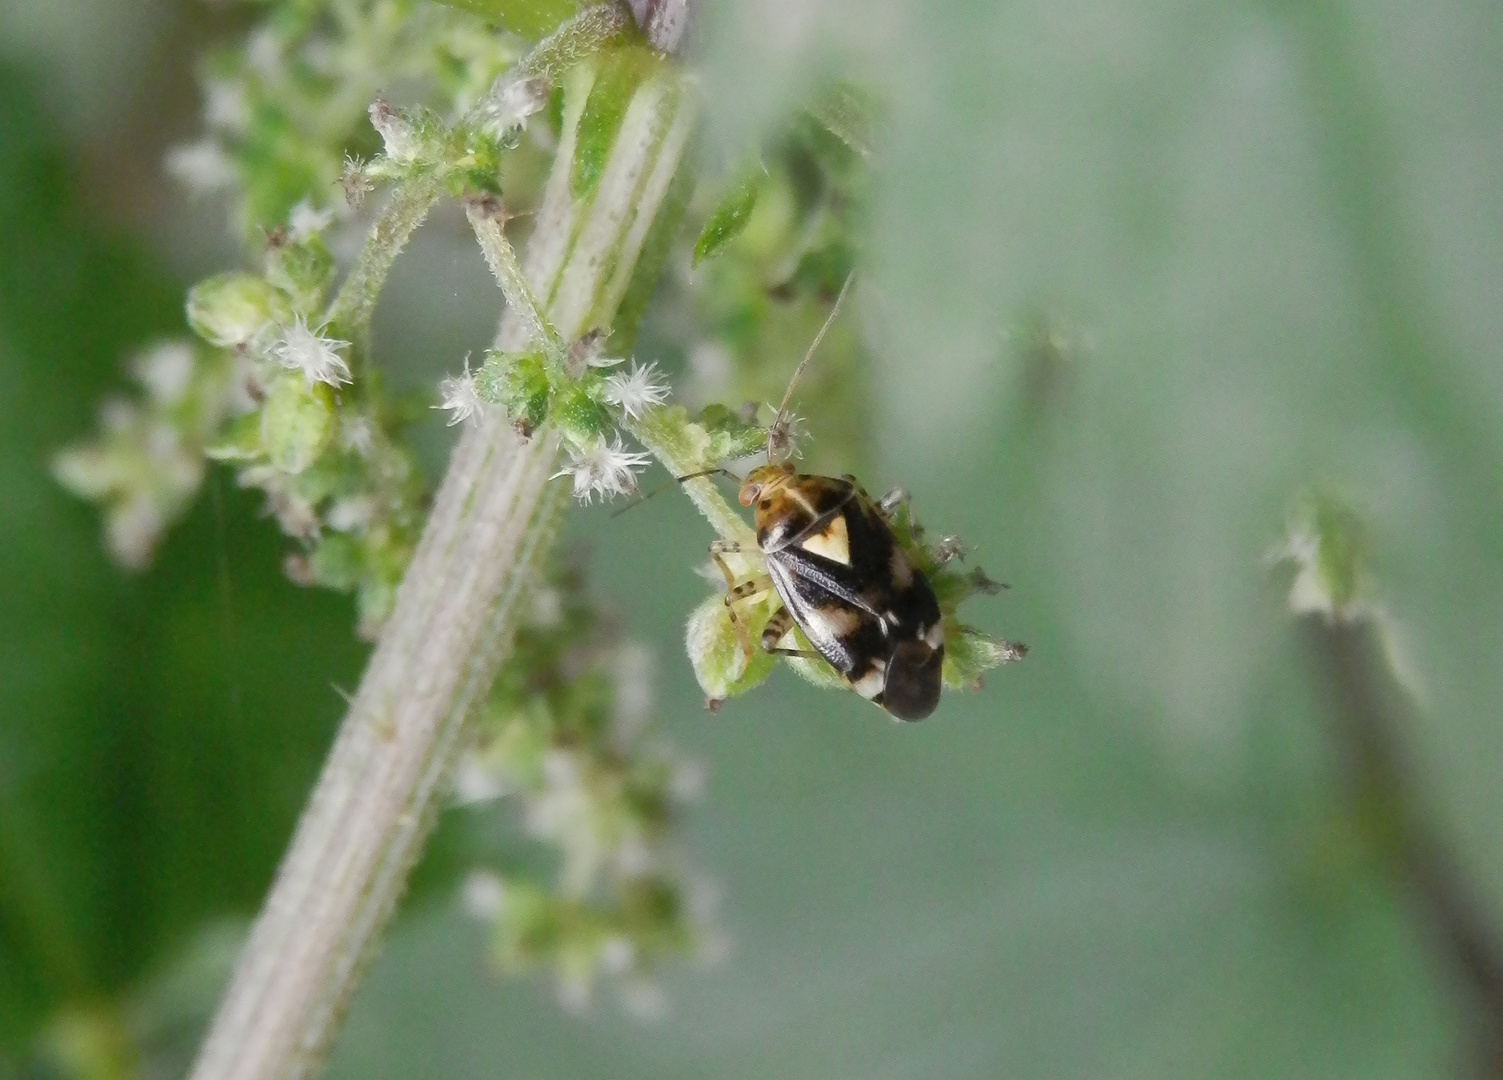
(280, 385)
(568, 732)
(285, 110)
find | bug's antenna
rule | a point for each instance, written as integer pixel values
(778, 431)
(640, 499)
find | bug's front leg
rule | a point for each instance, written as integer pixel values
(777, 628)
(737, 592)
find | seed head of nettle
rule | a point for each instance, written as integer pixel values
(637, 390)
(607, 469)
(458, 395)
(301, 348)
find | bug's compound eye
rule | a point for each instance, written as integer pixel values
(749, 493)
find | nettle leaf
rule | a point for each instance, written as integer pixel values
(622, 69)
(729, 217)
(850, 113)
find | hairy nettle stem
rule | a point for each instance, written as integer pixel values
(494, 517)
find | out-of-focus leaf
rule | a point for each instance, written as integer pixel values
(157, 735)
(729, 217)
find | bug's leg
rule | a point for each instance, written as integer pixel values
(899, 497)
(777, 628)
(736, 592)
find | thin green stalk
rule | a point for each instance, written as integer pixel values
(501, 257)
(351, 311)
(669, 444)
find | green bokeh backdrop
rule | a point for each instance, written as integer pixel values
(1275, 234)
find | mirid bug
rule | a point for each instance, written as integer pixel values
(842, 576)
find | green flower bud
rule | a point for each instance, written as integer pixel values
(518, 382)
(301, 271)
(231, 309)
(715, 650)
(579, 416)
(296, 422)
(1328, 542)
(729, 435)
(969, 653)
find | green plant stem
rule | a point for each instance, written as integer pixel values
(501, 257)
(666, 442)
(578, 39)
(493, 518)
(1369, 711)
(351, 311)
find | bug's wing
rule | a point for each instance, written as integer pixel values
(839, 624)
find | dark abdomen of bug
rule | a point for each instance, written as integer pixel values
(852, 590)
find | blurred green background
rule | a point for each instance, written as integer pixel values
(1272, 234)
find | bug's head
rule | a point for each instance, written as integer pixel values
(764, 480)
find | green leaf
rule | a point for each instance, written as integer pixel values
(729, 217)
(156, 733)
(850, 113)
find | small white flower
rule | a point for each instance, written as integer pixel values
(225, 106)
(166, 371)
(686, 783)
(203, 166)
(305, 221)
(484, 894)
(785, 434)
(547, 609)
(459, 396)
(263, 51)
(351, 514)
(633, 683)
(617, 955)
(477, 782)
(644, 1000)
(132, 529)
(511, 102)
(358, 435)
(317, 357)
(609, 469)
(636, 390)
